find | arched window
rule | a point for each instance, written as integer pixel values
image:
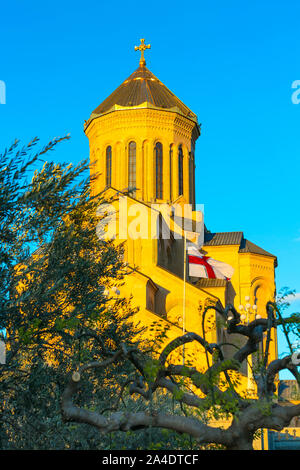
(159, 170)
(108, 166)
(191, 178)
(171, 171)
(260, 299)
(132, 166)
(180, 171)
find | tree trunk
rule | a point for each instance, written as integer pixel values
(241, 444)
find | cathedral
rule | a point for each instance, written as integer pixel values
(142, 142)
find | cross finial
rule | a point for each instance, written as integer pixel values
(142, 47)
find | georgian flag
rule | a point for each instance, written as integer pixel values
(204, 266)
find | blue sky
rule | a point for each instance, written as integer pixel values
(233, 63)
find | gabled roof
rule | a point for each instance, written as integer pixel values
(249, 247)
(223, 238)
(235, 238)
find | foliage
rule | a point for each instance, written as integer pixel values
(202, 397)
(289, 322)
(53, 311)
(75, 375)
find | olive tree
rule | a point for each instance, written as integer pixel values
(54, 313)
(201, 394)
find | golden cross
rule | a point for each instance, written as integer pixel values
(142, 47)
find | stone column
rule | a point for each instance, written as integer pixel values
(151, 171)
(139, 169)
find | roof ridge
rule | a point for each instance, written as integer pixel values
(250, 247)
(223, 238)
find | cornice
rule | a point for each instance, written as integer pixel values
(167, 120)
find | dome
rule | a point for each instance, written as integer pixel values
(142, 86)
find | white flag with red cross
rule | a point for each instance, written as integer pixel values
(206, 267)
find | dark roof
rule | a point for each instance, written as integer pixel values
(204, 283)
(140, 87)
(249, 247)
(235, 238)
(223, 238)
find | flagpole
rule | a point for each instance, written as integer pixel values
(184, 283)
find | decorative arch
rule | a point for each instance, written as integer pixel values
(261, 293)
